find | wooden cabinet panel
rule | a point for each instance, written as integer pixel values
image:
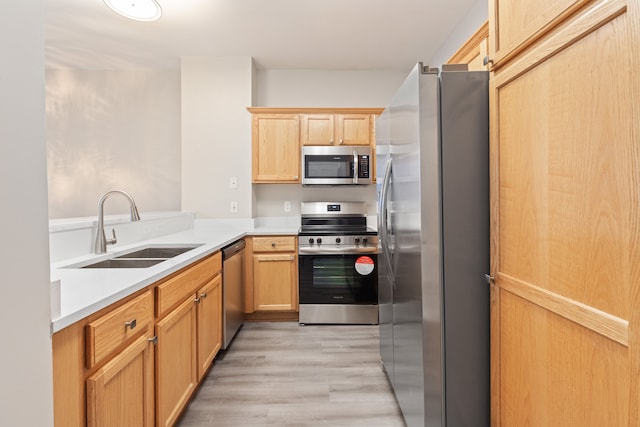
(274, 244)
(276, 148)
(275, 282)
(176, 362)
(565, 168)
(209, 323)
(317, 129)
(121, 392)
(514, 25)
(558, 373)
(175, 289)
(354, 129)
(110, 331)
(336, 129)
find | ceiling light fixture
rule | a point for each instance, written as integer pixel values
(140, 10)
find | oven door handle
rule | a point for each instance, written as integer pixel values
(337, 251)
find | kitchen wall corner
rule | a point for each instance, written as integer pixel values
(216, 135)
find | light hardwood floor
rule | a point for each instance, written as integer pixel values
(283, 374)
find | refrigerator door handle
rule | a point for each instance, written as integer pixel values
(384, 217)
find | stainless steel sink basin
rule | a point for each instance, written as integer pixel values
(157, 252)
(142, 257)
(124, 263)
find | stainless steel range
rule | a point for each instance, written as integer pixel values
(337, 264)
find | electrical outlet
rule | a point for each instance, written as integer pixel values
(287, 206)
(234, 207)
(233, 182)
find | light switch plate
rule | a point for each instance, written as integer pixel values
(287, 206)
(233, 182)
(234, 207)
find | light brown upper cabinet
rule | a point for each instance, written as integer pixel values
(336, 129)
(276, 148)
(279, 133)
(565, 213)
(474, 50)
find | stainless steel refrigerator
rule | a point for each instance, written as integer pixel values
(433, 210)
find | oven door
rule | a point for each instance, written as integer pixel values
(338, 278)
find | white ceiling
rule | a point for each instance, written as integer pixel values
(277, 34)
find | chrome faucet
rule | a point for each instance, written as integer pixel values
(101, 240)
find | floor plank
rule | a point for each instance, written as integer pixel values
(283, 374)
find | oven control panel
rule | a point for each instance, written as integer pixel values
(338, 243)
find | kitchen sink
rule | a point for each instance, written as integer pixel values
(124, 263)
(142, 257)
(157, 252)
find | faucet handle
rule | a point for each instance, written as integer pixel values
(114, 240)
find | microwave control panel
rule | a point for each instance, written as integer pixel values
(363, 166)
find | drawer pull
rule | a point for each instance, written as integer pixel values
(273, 244)
(203, 295)
(130, 324)
(153, 340)
(197, 300)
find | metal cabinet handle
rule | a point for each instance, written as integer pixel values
(130, 324)
(153, 340)
(273, 244)
(197, 300)
(489, 278)
(203, 295)
(486, 61)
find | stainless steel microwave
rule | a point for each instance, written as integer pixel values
(336, 165)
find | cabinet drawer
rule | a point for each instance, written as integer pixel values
(111, 330)
(274, 244)
(175, 289)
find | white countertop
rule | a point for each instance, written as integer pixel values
(85, 291)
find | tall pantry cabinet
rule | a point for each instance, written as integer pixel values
(565, 197)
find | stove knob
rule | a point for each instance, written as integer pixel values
(311, 241)
(357, 240)
(364, 241)
(318, 240)
(338, 240)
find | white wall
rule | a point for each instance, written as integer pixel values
(26, 396)
(113, 129)
(468, 25)
(327, 88)
(216, 135)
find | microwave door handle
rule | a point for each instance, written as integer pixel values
(355, 167)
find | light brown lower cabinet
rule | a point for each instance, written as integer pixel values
(176, 361)
(108, 372)
(121, 393)
(209, 315)
(275, 273)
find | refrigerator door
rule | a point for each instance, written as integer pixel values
(415, 219)
(385, 248)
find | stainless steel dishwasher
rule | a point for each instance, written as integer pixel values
(232, 282)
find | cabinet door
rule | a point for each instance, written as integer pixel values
(565, 175)
(121, 392)
(275, 282)
(276, 148)
(317, 129)
(176, 360)
(209, 323)
(354, 129)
